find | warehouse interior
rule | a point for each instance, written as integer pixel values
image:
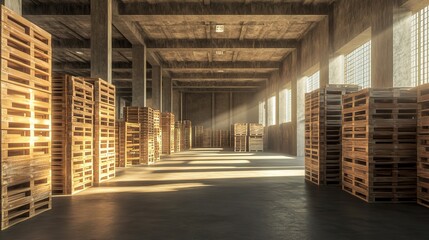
(215, 119)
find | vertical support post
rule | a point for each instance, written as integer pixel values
(324, 52)
(14, 5)
(156, 86)
(167, 93)
(101, 39)
(139, 76)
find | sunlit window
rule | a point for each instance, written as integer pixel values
(358, 66)
(285, 105)
(272, 110)
(420, 47)
(262, 113)
(313, 82)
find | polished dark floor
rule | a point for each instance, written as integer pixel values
(211, 194)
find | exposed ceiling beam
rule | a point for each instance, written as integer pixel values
(226, 44)
(221, 65)
(214, 87)
(86, 43)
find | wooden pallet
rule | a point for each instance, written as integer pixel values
(72, 150)
(178, 141)
(167, 126)
(187, 134)
(379, 145)
(256, 143)
(157, 135)
(256, 129)
(207, 138)
(26, 119)
(198, 136)
(423, 145)
(128, 144)
(240, 143)
(104, 130)
(240, 129)
(323, 115)
(221, 139)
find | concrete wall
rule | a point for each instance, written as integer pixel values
(176, 104)
(224, 108)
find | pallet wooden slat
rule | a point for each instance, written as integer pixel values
(423, 145)
(167, 126)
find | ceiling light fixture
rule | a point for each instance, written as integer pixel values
(220, 28)
(80, 53)
(220, 71)
(219, 52)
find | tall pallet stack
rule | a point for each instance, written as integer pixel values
(167, 126)
(72, 136)
(144, 116)
(157, 135)
(26, 119)
(323, 115)
(423, 145)
(198, 136)
(104, 130)
(187, 134)
(240, 137)
(379, 145)
(129, 144)
(178, 137)
(256, 137)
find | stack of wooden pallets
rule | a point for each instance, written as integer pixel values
(157, 135)
(187, 135)
(129, 144)
(72, 137)
(104, 129)
(221, 138)
(256, 137)
(167, 126)
(207, 138)
(26, 119)
(144, 116)
(379, 145)
(323, 120)
(178, 138)
(240, 137)
(423, 145)
(198, 136)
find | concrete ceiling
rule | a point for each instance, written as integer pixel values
(181, 36)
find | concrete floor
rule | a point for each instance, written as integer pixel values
(207, 194)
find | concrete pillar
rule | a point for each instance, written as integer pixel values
(156, 87)
(101, 39)
(139, 76)
(382, 43)
(401, 47)
(14, 5)
(336, 69)
(324, 52)
(294, 91)
(167, 94)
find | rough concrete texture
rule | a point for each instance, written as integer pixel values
(14, 5)
(207, 194)
(336, 70)
(401, 48)
(301, 116)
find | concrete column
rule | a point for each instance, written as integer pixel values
(324, 52)
(382, 43)
(294, 91)
(101, 39)
(14, 5)
(139, 76)
(336, 69)
(401, 47)
(167, 94)
(156, 87)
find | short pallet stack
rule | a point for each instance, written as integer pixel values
(221, 139)
(256, 137)
(240, 137)
(423, 146)
(26, 119)
(167, 126)
(104, 130)
(187, 135)
(198, 136)
(72, 136)
(379, 145)
(323, 115)
(178, 137)
(144, 116)
(207, 138)
(157, 135)
(129, 144)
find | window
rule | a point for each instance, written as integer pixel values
(420, 47)
(358, 66)
(272, 111)
(285, 105)
(262, 113)
(313, 82)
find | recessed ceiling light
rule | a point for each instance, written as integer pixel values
(220, 28)
(219, 52)
(80, 53)
(220, 71)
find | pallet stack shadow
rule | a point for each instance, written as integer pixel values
(178, 137)
(157, 133)
(72, 136)
(26, 119)
(128, 144)
(423, 145)
(143, 116)
(104, 130)
(187, 134)
(221, 139)
(167, 126)
(379, 145)
(240, 137)
(256, 137)
(323, 119)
